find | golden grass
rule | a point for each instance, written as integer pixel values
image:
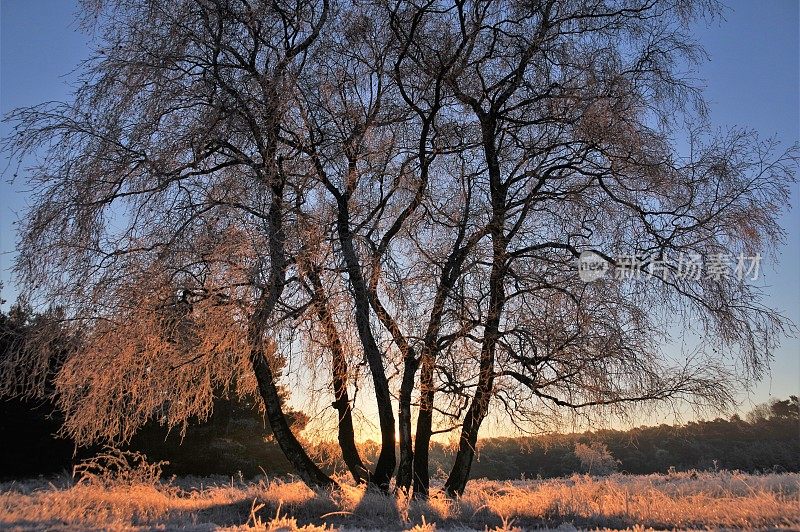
(727, 500)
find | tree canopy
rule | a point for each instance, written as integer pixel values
(393, 195)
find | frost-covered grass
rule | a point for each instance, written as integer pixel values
(683, 500)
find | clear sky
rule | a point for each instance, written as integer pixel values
(752, 79)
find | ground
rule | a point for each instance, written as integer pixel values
(692, 500)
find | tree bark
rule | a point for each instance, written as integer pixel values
(291, 447)
(384, 468)
(406, 464)
(422, 441)
(410, 364)
(457, 480)
(450, 273)
(346, 432)
(297, 456)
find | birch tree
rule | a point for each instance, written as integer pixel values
(404, 186)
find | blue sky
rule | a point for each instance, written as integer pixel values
(752, 79)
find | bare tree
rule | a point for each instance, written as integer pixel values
(347, 135)
(166, 174)
(309, 261)
(574, 128)
(413, 183)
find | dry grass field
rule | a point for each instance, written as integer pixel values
(723, 500)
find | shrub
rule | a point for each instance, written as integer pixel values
(595, 458)
(113, 467)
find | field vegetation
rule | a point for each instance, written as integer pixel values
(686, 500)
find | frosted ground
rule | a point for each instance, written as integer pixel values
(693, 500)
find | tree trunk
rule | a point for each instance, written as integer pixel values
(450, 273)
(305, 467)
(422, 442)
(346, 432)
(410, 364)
(424, 427)
(459, 474)
(405, 467)
(457, 480)
(384, 468)
(297, 456)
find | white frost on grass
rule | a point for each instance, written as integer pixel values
(694, 500)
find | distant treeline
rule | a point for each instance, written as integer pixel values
(236, 439)
(766, 441)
